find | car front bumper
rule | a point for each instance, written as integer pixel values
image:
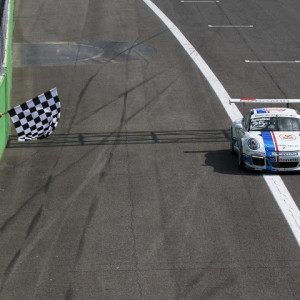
(273, 163)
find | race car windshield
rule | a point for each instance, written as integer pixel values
(275, 124)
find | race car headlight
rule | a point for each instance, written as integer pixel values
(253, 144)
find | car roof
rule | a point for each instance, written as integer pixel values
(274, 111)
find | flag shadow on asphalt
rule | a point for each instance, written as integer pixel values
(125, 138)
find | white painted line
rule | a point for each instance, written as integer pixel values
(222, 94)
(285, 202)
(231, 26)
(274, 182)
(273, 61)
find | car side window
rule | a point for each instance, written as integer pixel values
(247, 120)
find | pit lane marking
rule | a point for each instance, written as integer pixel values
(275, 183)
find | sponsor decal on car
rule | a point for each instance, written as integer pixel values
(285, 153)
(289, 137)
(289, 146)
(287, 159)
(269, 110)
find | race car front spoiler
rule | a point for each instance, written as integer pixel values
(271, 163)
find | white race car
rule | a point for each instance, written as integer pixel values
(268, 139)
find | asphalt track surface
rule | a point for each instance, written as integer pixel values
(136, 195)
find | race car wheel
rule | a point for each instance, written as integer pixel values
(240, 158)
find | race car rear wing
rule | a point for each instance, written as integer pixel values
(270, 101)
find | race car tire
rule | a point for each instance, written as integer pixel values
(231, 143)
(240, 159)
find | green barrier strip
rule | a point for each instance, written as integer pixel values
(5, 85)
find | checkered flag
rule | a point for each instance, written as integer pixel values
(36, 118)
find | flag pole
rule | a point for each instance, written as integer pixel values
(1, 114)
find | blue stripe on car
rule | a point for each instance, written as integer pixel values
(268, 141)
(270, 147)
